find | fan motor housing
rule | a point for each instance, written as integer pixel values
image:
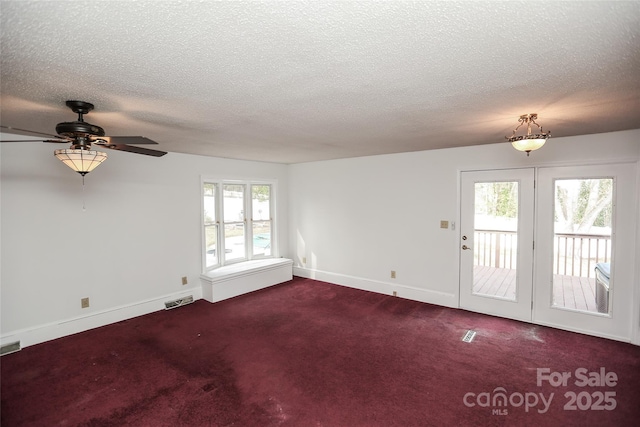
(74, 129)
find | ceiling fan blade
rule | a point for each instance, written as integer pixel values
(132, 149)
(36, 140)
(119, 140)
(57, 140)
(17, 131)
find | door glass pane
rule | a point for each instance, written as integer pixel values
(582, 244)
(495, 239)
(234, 230)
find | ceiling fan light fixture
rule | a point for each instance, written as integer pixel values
(81, 161)
(530, 141)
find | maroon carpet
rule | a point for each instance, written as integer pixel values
(307, 353)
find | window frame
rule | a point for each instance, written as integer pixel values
(248, 221)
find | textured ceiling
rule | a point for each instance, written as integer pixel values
(292, 82)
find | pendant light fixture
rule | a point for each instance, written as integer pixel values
(528, 142)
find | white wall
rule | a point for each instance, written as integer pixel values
(355, 220)
(127, 252)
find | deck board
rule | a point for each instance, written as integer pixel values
(568, 291)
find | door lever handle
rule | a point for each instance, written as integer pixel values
(465, 247)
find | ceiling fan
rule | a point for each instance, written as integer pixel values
(81, 135)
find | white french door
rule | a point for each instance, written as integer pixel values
(496, 242)
(585, 243)
(580, 275)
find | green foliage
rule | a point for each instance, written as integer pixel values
(497, 199)
(260, 192)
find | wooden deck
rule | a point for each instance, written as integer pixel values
(496, 282)
(574, 292)
(568, 291)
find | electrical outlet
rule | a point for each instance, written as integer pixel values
(84, 302)
(184, 280)
(395, 293)
(393, 274)
(444, 224)
(304, 260)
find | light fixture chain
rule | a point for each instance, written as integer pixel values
(84, 208)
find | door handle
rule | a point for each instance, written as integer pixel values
(465, 247)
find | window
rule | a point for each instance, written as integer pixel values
(230, 235)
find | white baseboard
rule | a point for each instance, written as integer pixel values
(50, 331)
(386, 288)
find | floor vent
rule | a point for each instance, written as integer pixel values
(10, 348)
(178, 302)
(469, 336)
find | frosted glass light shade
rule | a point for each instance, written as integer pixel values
(81, 161)
(528, 145)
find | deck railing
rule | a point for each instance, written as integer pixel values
(578, 254)
(496, 248)
(574, 254)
